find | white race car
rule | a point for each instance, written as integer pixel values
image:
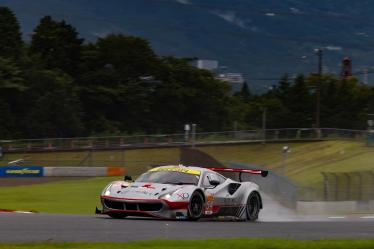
(181, 192)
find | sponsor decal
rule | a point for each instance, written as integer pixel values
(148, 186)
(181, 215)
(21, 171)
(144, 192)
(210, 197)
(209, 204)
(183, 196)
(177, 169)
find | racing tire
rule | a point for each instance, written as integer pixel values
(196, 206)
(253, 206)
(117, 215)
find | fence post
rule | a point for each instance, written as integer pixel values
(193, 135)
(326, 186)
(348, 186)
(371, 196)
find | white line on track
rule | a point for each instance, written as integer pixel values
(367, 217)
(336, 217)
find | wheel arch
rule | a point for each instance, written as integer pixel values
(201, 192)
(259, 196)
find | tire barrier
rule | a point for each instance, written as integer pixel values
(40, 171)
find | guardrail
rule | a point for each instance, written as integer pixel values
(174, 140)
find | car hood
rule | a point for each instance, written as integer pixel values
(143, 190)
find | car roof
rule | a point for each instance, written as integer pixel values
(202, 170)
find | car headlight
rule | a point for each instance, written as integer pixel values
(166, 196)
(107, 190)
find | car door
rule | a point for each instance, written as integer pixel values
(223, 198)
(215, 195)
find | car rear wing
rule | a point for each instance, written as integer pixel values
(263, 173)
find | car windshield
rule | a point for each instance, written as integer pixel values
(169, 177)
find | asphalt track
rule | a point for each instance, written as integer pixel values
(275, 221)
(47, 227)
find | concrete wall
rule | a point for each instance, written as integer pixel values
(84, 171)
(334, 207)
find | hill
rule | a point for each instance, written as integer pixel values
(303, 164)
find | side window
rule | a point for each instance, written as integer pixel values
(212, 176)
(206, 180)
(221, 179)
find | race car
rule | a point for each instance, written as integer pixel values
(183, 192)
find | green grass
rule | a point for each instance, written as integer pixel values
(306, 160)
(70, 197)
(303, 164)
(207, 244)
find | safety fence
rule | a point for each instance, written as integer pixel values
(185, 139)
(346, 186)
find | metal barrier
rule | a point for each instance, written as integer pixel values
(174, 140)
(346, 186)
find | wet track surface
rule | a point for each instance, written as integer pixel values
(48, 227)
(275, 221)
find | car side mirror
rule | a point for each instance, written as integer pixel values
(214, 182)
(128, 178)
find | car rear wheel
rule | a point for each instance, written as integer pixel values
(117, 215)
(253, 206)
(196, 206)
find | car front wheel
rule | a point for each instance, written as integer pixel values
(196, 206)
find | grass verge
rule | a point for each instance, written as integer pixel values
(207, 244)
(67, 197)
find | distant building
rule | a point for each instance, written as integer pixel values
(234, 78)
(210, 65)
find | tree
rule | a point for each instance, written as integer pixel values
(10, 39)
(130, 56)
(11, 76)
(189, 95)
(244, 92)
(54, 109)
(299, 103)
(12, 85)
(58, 45)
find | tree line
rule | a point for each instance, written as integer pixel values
(59, 85)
